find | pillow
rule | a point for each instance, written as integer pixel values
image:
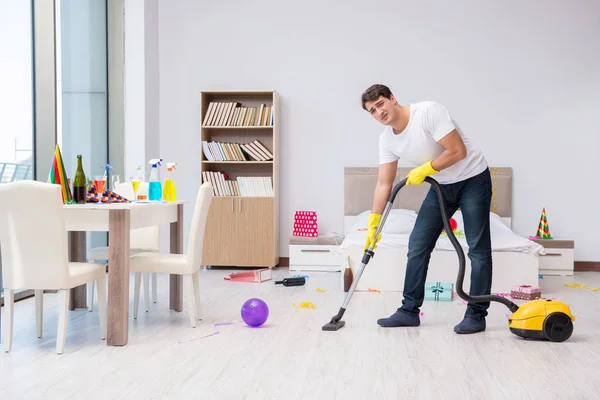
(398, 221)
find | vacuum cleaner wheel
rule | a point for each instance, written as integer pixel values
(558, 327)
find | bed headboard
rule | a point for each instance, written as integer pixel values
(360, 182)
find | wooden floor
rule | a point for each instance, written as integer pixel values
(292, 358)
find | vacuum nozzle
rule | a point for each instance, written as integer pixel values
(336, 322)
(333, 325)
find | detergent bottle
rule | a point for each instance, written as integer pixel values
(154, 185)
(169, 188)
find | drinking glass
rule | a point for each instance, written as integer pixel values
(114, 181)
(135, 184)
(99, 182)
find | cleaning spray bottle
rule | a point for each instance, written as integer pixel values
(169, 188)
(154, 185)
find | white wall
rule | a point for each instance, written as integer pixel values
(520, 77)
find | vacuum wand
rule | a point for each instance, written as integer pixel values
(336, 322)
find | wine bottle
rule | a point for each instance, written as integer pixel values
(292, 282)
(348, 278)
(79, 183)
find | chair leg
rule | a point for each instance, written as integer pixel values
(154, 287)
(90, 294)
(188, 291)
(9, 312)
(39, 312)
(90, 291)
(63, 316)
(196, 278)
(102, 305)
(136, 294)
(146, 277)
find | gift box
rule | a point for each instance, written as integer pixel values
(438, 291)
(526, 292)
(305, 224)
(259, 275)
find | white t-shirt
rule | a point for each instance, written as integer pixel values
(428, 123)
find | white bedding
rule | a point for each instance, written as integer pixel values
(400, 222)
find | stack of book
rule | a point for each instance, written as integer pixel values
(234, 114)
(225, 151)
(248, 186)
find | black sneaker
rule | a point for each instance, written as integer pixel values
(400, 318)
(470, 325)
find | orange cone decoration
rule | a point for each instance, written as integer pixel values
(543, 231)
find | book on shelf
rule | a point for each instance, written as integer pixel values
(248, 186)
(221, 113)
(226, 151)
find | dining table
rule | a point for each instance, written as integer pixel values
(118, 219)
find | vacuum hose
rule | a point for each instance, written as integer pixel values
(461, 255)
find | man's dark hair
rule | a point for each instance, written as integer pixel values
(373, 93)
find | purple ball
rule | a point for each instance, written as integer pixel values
(255, 312)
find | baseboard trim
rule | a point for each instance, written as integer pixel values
(581, 266)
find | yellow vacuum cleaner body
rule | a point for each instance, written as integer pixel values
(542, 319)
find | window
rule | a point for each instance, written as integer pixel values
(16, 97)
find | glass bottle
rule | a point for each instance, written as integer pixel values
(79, 183)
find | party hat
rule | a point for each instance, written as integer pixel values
(58, 176)
(543, 231)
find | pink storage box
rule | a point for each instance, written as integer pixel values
(258, 275)
(305, 224)
(526, 292)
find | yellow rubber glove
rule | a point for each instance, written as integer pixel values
(374, 220)
(417, 175)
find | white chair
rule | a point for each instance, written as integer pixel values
(35, 255)
(186, 264)
(141, 240)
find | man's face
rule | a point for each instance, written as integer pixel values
(382, 109)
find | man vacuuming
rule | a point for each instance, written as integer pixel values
(426, 135)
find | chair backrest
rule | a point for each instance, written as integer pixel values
(33, 236)
(148, 238)
(198, 226)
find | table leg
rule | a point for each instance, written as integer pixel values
(77, 253)
(118, 278)
(176, 281)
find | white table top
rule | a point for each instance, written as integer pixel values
(95, 217)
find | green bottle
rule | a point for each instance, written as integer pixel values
(79, 184)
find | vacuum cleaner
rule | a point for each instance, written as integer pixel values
(543, 319)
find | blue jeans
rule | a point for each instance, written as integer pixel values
(473, 196)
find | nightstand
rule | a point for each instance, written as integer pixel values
(320, 253)
(559, 257)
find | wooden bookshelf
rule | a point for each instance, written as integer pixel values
(240, 157)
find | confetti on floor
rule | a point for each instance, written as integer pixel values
(304, 304)
(321, 290)
(374, 290)
(582, 286)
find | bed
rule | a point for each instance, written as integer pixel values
(515, 258)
